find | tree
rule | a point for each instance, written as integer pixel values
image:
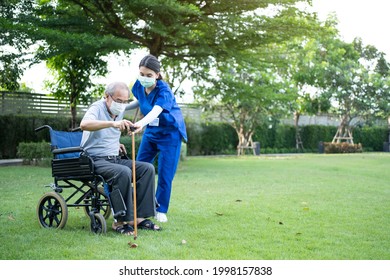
(305, 102)
(244, 95)
(14, 42)
(10, 71)
(73, 79)
(187, 34)
(300, 53)
(292, 58)
(190, 35)
(345, 73)
(382, 110)
(73, 54)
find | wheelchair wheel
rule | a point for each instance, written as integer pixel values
(102, 199)
(98, 224)
(52, 211)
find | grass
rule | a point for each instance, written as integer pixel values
(298, 207)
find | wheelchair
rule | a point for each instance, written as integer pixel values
(73, 170)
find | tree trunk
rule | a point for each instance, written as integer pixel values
(344, 132)
(245, 141)
(298, 141)
(388, 125)
(74, 115)
(73, 110)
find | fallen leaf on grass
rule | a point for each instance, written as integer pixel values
(132, 245)
(11, 217)
(219, 214)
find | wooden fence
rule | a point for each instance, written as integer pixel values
(34, 103)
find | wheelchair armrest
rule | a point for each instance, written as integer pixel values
(67, 150)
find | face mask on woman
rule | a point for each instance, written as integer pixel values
(146, 82)
(117, 108)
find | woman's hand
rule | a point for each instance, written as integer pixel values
(136, 128)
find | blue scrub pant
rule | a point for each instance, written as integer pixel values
(168, 159)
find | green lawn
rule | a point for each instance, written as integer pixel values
(298, 207)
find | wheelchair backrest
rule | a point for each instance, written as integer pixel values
(64, 139)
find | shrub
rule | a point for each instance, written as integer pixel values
(209, 138)
(284, 137)
(194, 134)
(217, 137)
(127, 142)
(21, 128)
(344, 147)
(311, 135)
(371, 137)
(35, 153)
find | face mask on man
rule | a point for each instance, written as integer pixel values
(146, 82)
(117, 108)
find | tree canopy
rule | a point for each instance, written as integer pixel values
(253, 57)
(352, 76)
(14, 42)
(189, 32)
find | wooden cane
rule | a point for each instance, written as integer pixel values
(136, 115)
(134, 175)
(134, 185)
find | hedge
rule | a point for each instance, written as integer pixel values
(210, 138)
(21, 128)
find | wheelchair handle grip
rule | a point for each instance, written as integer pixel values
(42, 127)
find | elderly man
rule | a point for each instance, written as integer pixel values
(102, 125)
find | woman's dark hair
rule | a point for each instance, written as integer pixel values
(151, 62)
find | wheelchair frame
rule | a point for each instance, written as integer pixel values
(77, 173)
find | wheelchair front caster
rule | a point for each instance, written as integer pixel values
(102, 203)
(52, 211)
(98, 223)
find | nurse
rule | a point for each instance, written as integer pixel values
(165, 128)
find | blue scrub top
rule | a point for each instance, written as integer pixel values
(171, 126)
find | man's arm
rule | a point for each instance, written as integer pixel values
(93, 125)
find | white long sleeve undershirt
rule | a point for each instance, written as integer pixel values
(153, 114)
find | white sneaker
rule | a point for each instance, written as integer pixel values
(161, 217)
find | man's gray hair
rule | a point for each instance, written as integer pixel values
(113, 87)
